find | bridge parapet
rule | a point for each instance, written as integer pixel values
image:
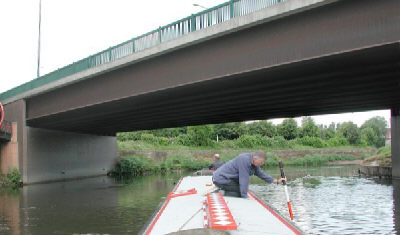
(204, 19)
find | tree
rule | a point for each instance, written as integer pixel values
(378, 125)
(263, 128)
(369, 136)
(308, 128)
(328, 132)
(230, 131)
(200, 135)
(288, 129)
(350, 131)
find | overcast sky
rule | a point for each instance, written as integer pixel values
(75, 29)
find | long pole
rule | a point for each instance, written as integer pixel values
(286, 190)
(40, 21)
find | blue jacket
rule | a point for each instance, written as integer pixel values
(240, 169)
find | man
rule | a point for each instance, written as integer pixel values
(217, 163)
(233, 176)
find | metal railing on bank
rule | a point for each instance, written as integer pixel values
(201, 20)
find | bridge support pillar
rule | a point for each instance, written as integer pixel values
(56, 155)
(395, 127)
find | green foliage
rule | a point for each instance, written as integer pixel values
(368, 136)
(201, 135)
(378, 126)
(319, 159)
(249, 141)
(288, 129)
(230, 131)
(384, 151)
(308, 128)
(312, 142)
(13, 178)
(328, 133)
(140, 165)
(350, 131)
(263, 128)
(127, 136)
(337, 142)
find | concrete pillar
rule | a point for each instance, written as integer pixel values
(396, 201)
(395, 121)
(56, 155)
(9, 157)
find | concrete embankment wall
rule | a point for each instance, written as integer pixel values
(379, 171)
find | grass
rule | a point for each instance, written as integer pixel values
(383, 157)
(141, 165)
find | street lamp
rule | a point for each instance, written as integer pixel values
(198, 5)
(40, 19)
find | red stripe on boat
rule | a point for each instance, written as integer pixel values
(182, 193)
(295, 230)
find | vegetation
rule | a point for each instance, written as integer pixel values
(246, 137)
(12, 179)
(382, 158)
(262, 134)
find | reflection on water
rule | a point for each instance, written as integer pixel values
(99, 205)
(326, 200)
(336, 203)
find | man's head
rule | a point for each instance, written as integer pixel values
(259, 158)
(216, 157)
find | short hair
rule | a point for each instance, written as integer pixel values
(216, 155)
(260, 154)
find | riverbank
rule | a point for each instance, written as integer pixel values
(142, 162)
(380, 164)
(12, 179)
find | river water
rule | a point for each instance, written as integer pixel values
(326, 200)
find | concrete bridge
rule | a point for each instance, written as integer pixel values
(239, 61)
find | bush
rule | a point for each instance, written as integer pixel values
(201, 135)
(337, 142)
(13, 178)
(183, 139)
(249, 141)
(315, 142)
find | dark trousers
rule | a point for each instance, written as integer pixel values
(231, 189)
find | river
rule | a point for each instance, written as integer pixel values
(326, 200)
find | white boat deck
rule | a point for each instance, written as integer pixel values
(185, 212)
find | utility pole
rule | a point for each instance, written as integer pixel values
(40, 19)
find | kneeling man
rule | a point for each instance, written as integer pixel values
(233, 176)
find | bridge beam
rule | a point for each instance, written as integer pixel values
(395, 142)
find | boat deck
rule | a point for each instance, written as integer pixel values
(181, 213)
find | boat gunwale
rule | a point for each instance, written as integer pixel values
(158, 212)
(277, 214)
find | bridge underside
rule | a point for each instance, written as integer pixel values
(358, 80)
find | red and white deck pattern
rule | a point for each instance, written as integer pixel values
(220, 215)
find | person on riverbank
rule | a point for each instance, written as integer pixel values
(233, 176)
(217, 163)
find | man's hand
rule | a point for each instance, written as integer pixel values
(279, 181)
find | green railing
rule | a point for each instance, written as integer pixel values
(201, 20)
